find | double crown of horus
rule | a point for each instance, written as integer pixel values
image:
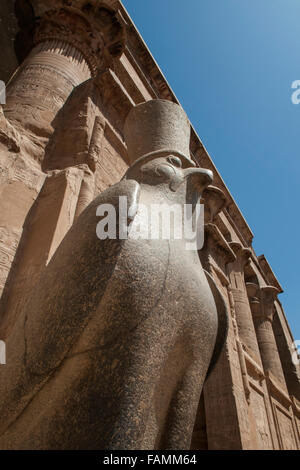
(156, 128)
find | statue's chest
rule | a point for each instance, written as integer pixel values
(163, 275)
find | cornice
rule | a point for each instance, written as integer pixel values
(268, 272)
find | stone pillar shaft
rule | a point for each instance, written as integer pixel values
(241, 304)
(268, 348)
(262, 307)
(42, 85)
(244, 320)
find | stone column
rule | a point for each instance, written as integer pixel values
(225, 406)
(71, 41)
(262, 307)
(238, 290)
(40, 88)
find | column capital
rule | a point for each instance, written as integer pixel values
(91, 27)
(216, 246)
(242, 255)
(262, 300)
(214, 201)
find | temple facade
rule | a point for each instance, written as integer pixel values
(74, 69)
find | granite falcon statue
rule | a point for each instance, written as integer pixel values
(112, 348)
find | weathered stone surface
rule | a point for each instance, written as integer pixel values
(168, 130)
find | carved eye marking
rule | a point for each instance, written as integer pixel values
(175, 161)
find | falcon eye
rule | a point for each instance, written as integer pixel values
(175, 161)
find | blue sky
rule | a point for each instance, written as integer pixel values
(231, 64)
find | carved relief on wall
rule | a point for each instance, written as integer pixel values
(286, 430)
(263, 433)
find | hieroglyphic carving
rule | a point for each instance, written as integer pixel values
(258, 407)
(8, 245)
(286, 430)
(39, 90)
(72, 42)
(33, 180)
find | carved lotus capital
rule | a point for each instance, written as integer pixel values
(94, 28)
(215, 201)
(242, 255)
(262, 300)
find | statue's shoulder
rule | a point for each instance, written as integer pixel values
(125, 188)
(85, 226)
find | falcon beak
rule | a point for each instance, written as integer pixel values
(199, 177)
